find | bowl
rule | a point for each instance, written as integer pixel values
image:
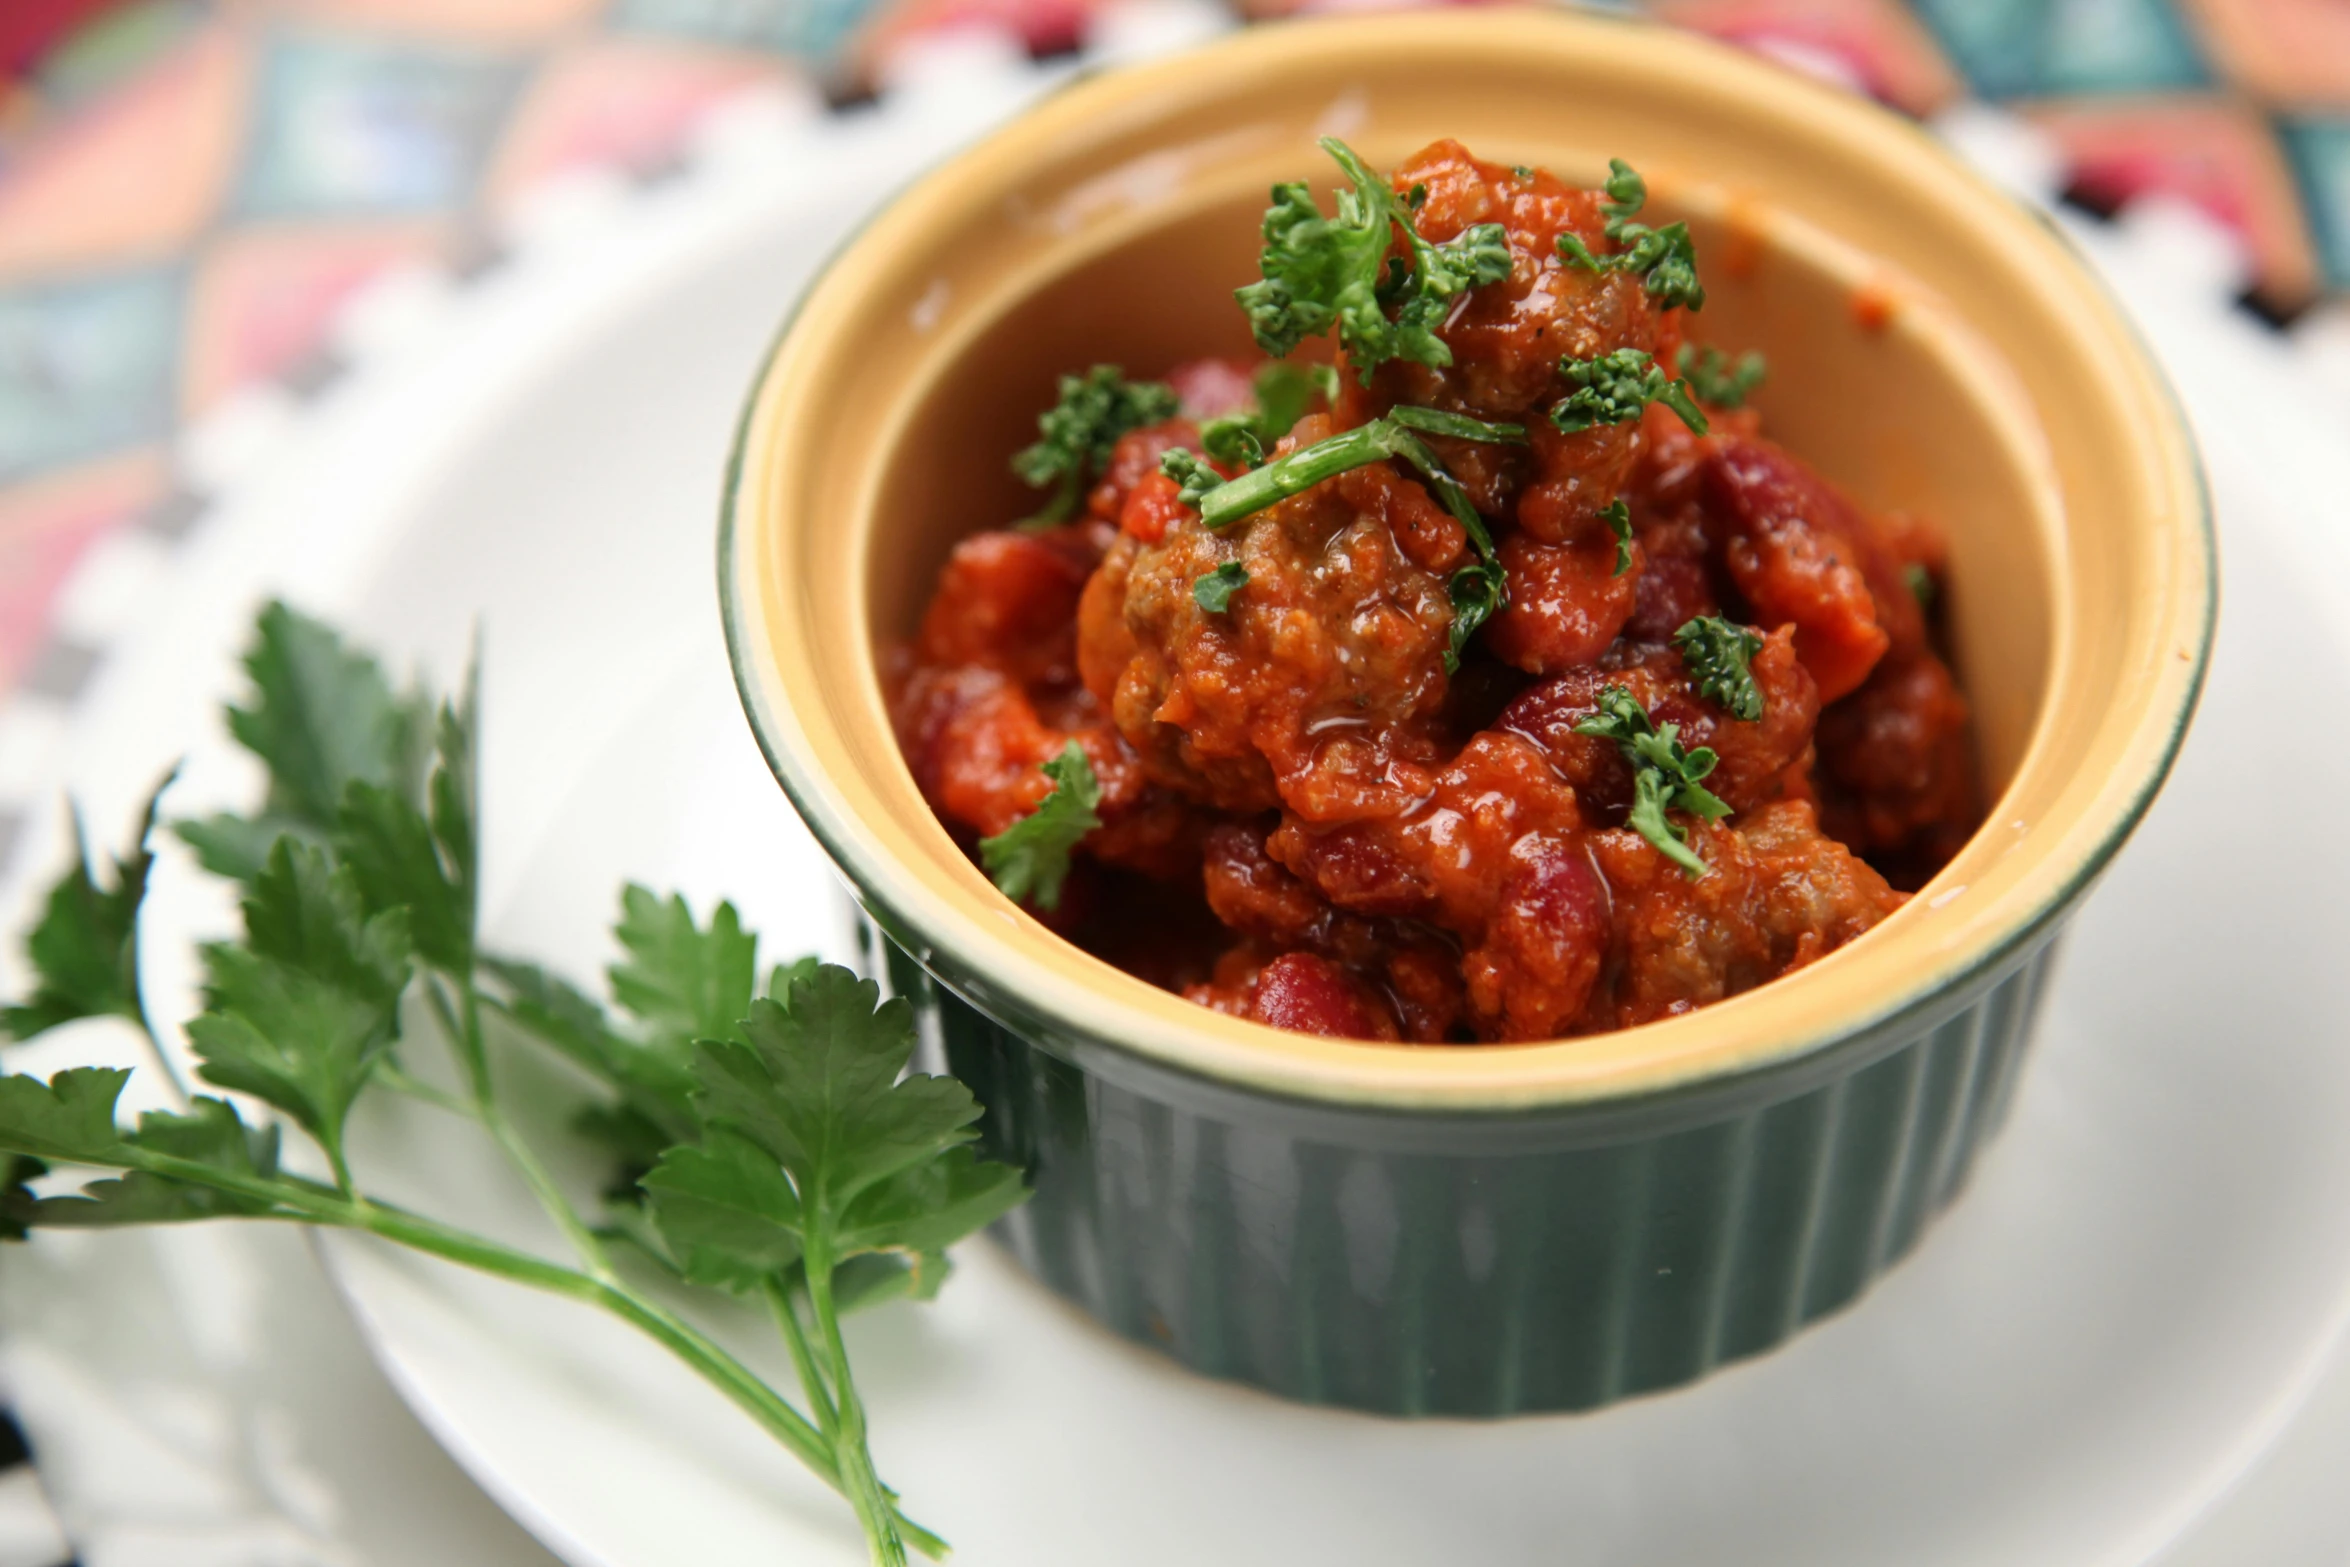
(1484, 1230)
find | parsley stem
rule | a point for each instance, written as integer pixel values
(858, 1481)
(309, 1202)
(550, 1196)
(1359, 447)
(401, 1081)
(462, 1019)
(803, 1359)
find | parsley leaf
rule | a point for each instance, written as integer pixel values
(1231, 441)
(1717, 654)
(811, 1133)
(1478, 591)
(816, 1150)
(1030, 859)
(322, 716)
(1614, 388)
(1664, 776)
(1618, 518)
(1284, 394)
(300, 1013)
(422, 860)
(1664, 259)
(67, 1120)
(1920, 583)
(1213, 590)
(683, 981)
(678, 981)
(210, 1134)
(1076, 434)
(84, 949)
(1320, 273)
(1718, 379)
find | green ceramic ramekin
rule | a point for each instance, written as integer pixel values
(1477, 1231)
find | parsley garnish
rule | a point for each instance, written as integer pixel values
(1664, 259)
(1614, 388)
(1030, 859)
(1718, 379)
(1718, 655)
(1618, 518)
(815, 1152)
(1478, 592)
(321, 718)
(84, 950)
(1213, 590)
(1076, 434)
(1664, 776)
(1193, 476)
(1231, 441)
(1283, 394)
(780, 1152)
(1920, 583)
(1320, 273)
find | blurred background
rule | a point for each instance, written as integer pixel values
(190, 189)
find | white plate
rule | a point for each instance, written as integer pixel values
(2107, 1353)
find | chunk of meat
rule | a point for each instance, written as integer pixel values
(1315, 688)
(1777, 894)
(1442, 860)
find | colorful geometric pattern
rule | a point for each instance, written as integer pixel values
(189, 189)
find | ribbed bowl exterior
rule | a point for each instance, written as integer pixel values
(1340, 1264)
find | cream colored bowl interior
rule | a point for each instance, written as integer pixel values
(1932, 348)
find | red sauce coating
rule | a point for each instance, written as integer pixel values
(1308, 821)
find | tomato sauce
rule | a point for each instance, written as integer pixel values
(1307, 819)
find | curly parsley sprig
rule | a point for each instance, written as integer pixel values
(1618, 517)
(779, 1149)
(1321, 273)
(1718, 379)
(1665, 260)
(1664, 776)
(1718, 655)
(1075, 435)
(1615, 388)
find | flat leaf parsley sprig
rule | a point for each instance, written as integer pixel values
(768, 1143)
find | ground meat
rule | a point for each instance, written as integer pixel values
(1315, 688)
(1314, 818)
(1777, 894)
